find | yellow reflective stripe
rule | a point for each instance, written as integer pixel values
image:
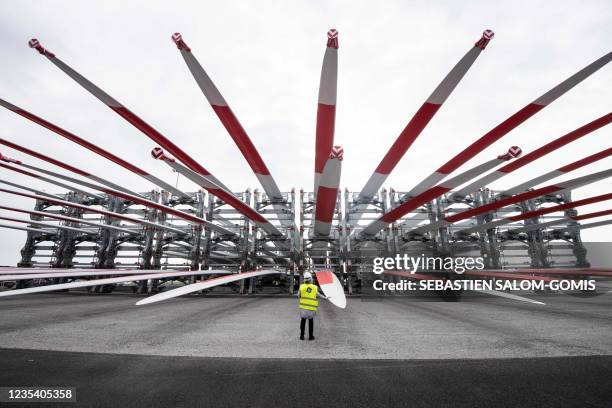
(312, 302)
(313, 308)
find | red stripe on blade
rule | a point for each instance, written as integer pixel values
(160, 139)
(502, 203)
(324, 277)
(561, 207)
(587, 160)
(80, 141)
(485, 141)
(236, 131)
(403, 142)
(555, 144)
(326, 203)
(414, 203)
(43, 157)
(326, 117)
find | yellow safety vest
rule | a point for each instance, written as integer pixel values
(308, 296)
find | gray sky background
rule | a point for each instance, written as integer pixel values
(265, 57)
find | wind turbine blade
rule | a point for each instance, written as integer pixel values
(207, 284)
(92, 147)
(125, 113)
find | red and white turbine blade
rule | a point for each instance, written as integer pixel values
(219, 192)
(207, 284)
(64, 166)
(72, 273)
(564, 220)
(42, 224)
(585, 226)
(509, 296)
(421, 118)
(137, 199)
(534, 155)
(125, 113)
(327, 194)
(557, 271)
(537, 213)
(92, 147)
(429, 193)
(502, 275)
(51, 181)
(91, 209)
(494, 205)
(63, 177)
(332, 288)
(97, 282)
(69, 219)
(229, 120)
(506, 126)
(326, 108)
(556, 173)
(28, 229)
(41, 194)
(468, 175)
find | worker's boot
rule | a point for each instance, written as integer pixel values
(302, 328)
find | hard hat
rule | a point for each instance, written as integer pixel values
(307, 276)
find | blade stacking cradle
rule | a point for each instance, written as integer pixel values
(327, 193)
(326, 108)
(421, 118)
(233, 127)
(427, 190)
(92, 147)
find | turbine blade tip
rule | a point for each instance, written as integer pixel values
(180, 43)
(337, 152)
(487, 35)
(34, 43)
(332, 38)
(512, 153)
(158, 154)
(8, 159)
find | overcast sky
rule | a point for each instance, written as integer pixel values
(266, 56)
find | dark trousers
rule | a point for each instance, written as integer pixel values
(303, 326)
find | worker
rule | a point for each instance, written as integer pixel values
(308, 294)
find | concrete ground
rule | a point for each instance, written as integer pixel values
(228, 351)
(267, 327)
(113, 380)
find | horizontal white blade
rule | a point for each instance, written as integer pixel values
(509, 296)
(107, 281)
(210, 283)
